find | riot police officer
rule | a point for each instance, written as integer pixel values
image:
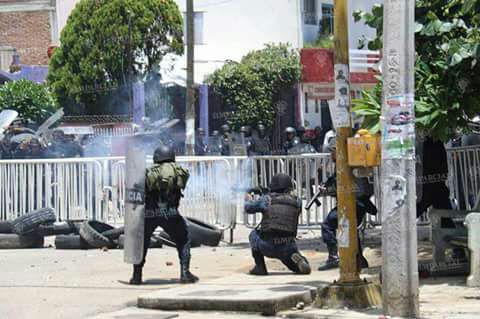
(246, 134)
(200, 143)
(275, 236)
(363, 192)
(261, 143)
(226, 140)
(291, 141)
(164, 183)
(214, 146)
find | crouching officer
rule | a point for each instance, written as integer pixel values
(275, 236)
(164, 183)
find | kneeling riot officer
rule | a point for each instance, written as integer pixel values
(275, 236)
(164, 183)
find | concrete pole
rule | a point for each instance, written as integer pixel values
(346, 209)
(190, 107)
(398, 204)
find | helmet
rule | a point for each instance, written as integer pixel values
(245, 129)
(301, 130)
(290, 130)
(215, 133)
(225, 128)
(164, 154)
(201, 130)
(332, 144)
(261, 127)
(281, 183)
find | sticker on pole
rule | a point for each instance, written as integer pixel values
(340, 110)
(343, 233)
(396, 187)
(398, 136)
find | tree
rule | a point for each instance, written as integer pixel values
(32, 101)
(252, 86)
(106, 45)
(447, 71)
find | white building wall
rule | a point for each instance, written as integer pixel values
(232, 28)
(356, 30)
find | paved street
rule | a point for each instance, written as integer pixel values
(91, 284)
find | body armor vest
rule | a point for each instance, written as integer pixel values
(164, 185)
(281, 216)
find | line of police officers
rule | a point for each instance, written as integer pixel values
(257, 142)
(275, 236)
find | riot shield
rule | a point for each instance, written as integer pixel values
(134, 204)
(6, 118)
(49, 122)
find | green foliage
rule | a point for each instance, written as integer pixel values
(31, 100)
(369, 107)
(323, 42)
(252, 86)
(108, 44)
(447, 71)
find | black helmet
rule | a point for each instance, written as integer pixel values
(245, 129)
(301, 130)
(225, 128)
(281, 183)
(164, 154)
(290, 130)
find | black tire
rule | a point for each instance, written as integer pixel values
(202, 233)
(59, 229)
(70, 242)
(14, 241)
(114, 233)
(29, 222)
(155, 242)
(91, 232)
(6, 227)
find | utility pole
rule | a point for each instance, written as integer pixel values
(190, 107)
(346, 209)
(398, 200)
(350, 290)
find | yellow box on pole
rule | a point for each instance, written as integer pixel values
(364, 150)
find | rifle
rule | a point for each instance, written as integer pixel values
(259, 190)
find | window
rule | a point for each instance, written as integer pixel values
(310, 11)
(197, 25)
(326, 23)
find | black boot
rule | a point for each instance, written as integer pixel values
(137, 275)
(260, 269)
(186, 277)
(302, 264)
(332, 261)
(361, 262)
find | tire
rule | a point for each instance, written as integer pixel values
(29, 222)
(14, 241)
(6, 227)
(155, 242)
(202, 233)
(70, 242)
(114, 233)
(91, 232)
(59, 229)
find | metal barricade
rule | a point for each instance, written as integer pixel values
(73, 188)
(208, 196)
(308, 172)
(464, 176)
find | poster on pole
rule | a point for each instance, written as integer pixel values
(340, 110)
(398, 136)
